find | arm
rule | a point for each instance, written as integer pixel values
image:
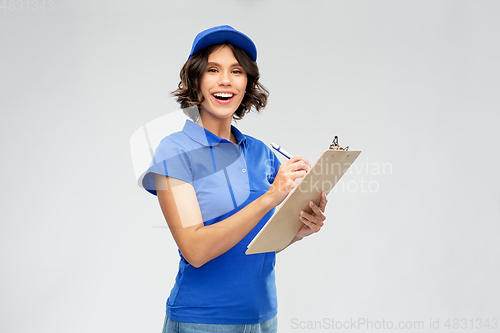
(199, 243)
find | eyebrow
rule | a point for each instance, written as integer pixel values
(216, 64)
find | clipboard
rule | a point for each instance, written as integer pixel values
(285, 223)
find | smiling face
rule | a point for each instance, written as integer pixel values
(223, 84)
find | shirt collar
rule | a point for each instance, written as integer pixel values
(207, 138)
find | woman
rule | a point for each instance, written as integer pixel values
(217, 188)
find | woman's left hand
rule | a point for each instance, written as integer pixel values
(313, 222)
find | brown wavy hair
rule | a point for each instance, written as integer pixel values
(188, 92)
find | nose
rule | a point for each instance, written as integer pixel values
(224, 79)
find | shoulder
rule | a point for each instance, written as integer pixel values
(178, 141)
(176, 145)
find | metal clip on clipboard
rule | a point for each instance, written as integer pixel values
(335, 144)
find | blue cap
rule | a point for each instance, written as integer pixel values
(221, 34)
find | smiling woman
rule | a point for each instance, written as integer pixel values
(189, 92)
(217, 188)
(223, 85)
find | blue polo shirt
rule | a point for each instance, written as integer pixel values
(233, 288)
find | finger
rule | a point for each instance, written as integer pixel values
(317, 211)
(298, 174)
(299, 158)
(313, 226)
(322, 201)
(291, 184)
(303, 165)
(294, 159)
(294, 171)
(313, 219)
(296, 165)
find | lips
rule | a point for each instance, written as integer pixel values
(223, 97)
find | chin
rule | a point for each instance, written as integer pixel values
(217, 113)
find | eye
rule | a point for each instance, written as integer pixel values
(237, 71)
(212, 70)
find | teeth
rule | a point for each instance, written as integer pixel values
(223, 95)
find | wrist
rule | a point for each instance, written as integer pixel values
(267, 201)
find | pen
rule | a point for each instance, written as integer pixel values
(281, 150)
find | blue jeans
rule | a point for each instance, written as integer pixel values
(172, 326)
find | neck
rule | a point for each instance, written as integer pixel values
(218, 126)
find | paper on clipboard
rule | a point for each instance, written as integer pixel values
(285, 223)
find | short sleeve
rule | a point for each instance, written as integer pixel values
(170, 159)
(275, 165)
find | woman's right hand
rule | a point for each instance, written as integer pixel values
(284, 182)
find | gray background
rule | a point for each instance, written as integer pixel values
(413, 84)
